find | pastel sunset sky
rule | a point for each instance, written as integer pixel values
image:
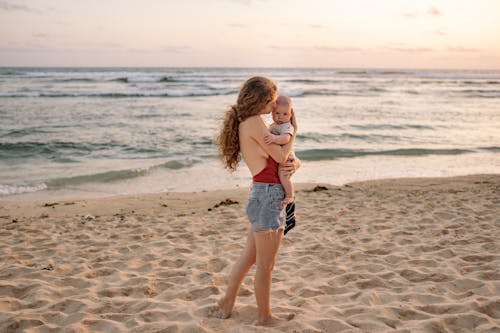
(251, 33)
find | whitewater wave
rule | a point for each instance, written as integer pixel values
(119, 175)
(19, 189)
(173, 94)
(95, 178)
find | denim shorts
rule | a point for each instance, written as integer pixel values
(264, 208)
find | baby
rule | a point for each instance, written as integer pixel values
(282, 131)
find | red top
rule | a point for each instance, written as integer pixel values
(269, 174)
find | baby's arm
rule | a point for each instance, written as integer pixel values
(282, 139)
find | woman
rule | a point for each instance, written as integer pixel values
(243, 131)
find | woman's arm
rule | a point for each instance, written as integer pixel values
(277, 152)
(291, 166)
(278, 139)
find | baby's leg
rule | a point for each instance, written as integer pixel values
(288, 187)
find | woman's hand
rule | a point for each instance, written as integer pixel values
(293, 121)
(290, 166)
(293, 162)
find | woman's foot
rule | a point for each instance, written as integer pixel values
(271, 319)
(287, 201)
(224, 309)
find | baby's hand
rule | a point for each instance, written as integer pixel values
(268, 139)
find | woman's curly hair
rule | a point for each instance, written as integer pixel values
(255, 94)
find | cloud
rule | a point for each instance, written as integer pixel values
(26, 49)
(317, 26)
(247, 2)
(337, 49)
(408, 49)
(237, 25)
(40, 35)
(316, 48)
(439, 32)
(243, 2)
(62, 22)
(174, 49)
(163, 49)
(89, 47)
(101, 46)
(462, 49)
(403, 48)
(433, 11)
(10, 7)
(286, 48)
(410, 15)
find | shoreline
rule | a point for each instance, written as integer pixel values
(68, 195)
(201, 176)
(199, 199)
(406, 254)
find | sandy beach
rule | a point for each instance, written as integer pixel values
(403, 255)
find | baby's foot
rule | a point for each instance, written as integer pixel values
(287, 201)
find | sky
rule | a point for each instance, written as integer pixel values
(446, 34)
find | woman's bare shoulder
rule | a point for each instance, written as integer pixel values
(253, 122)
(252, 119)
(248, 123)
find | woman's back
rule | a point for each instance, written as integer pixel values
(254, 155)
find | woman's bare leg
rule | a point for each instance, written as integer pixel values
(267, 244)
(238, 273)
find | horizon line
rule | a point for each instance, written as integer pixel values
(259, 67)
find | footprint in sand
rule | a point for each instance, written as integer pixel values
(216, 265)
(202, 293)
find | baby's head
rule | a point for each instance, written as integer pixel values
(283, 111)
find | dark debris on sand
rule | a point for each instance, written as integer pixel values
(226, 202)
(49, 267)
(320, 188)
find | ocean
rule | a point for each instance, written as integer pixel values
(90, 132)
